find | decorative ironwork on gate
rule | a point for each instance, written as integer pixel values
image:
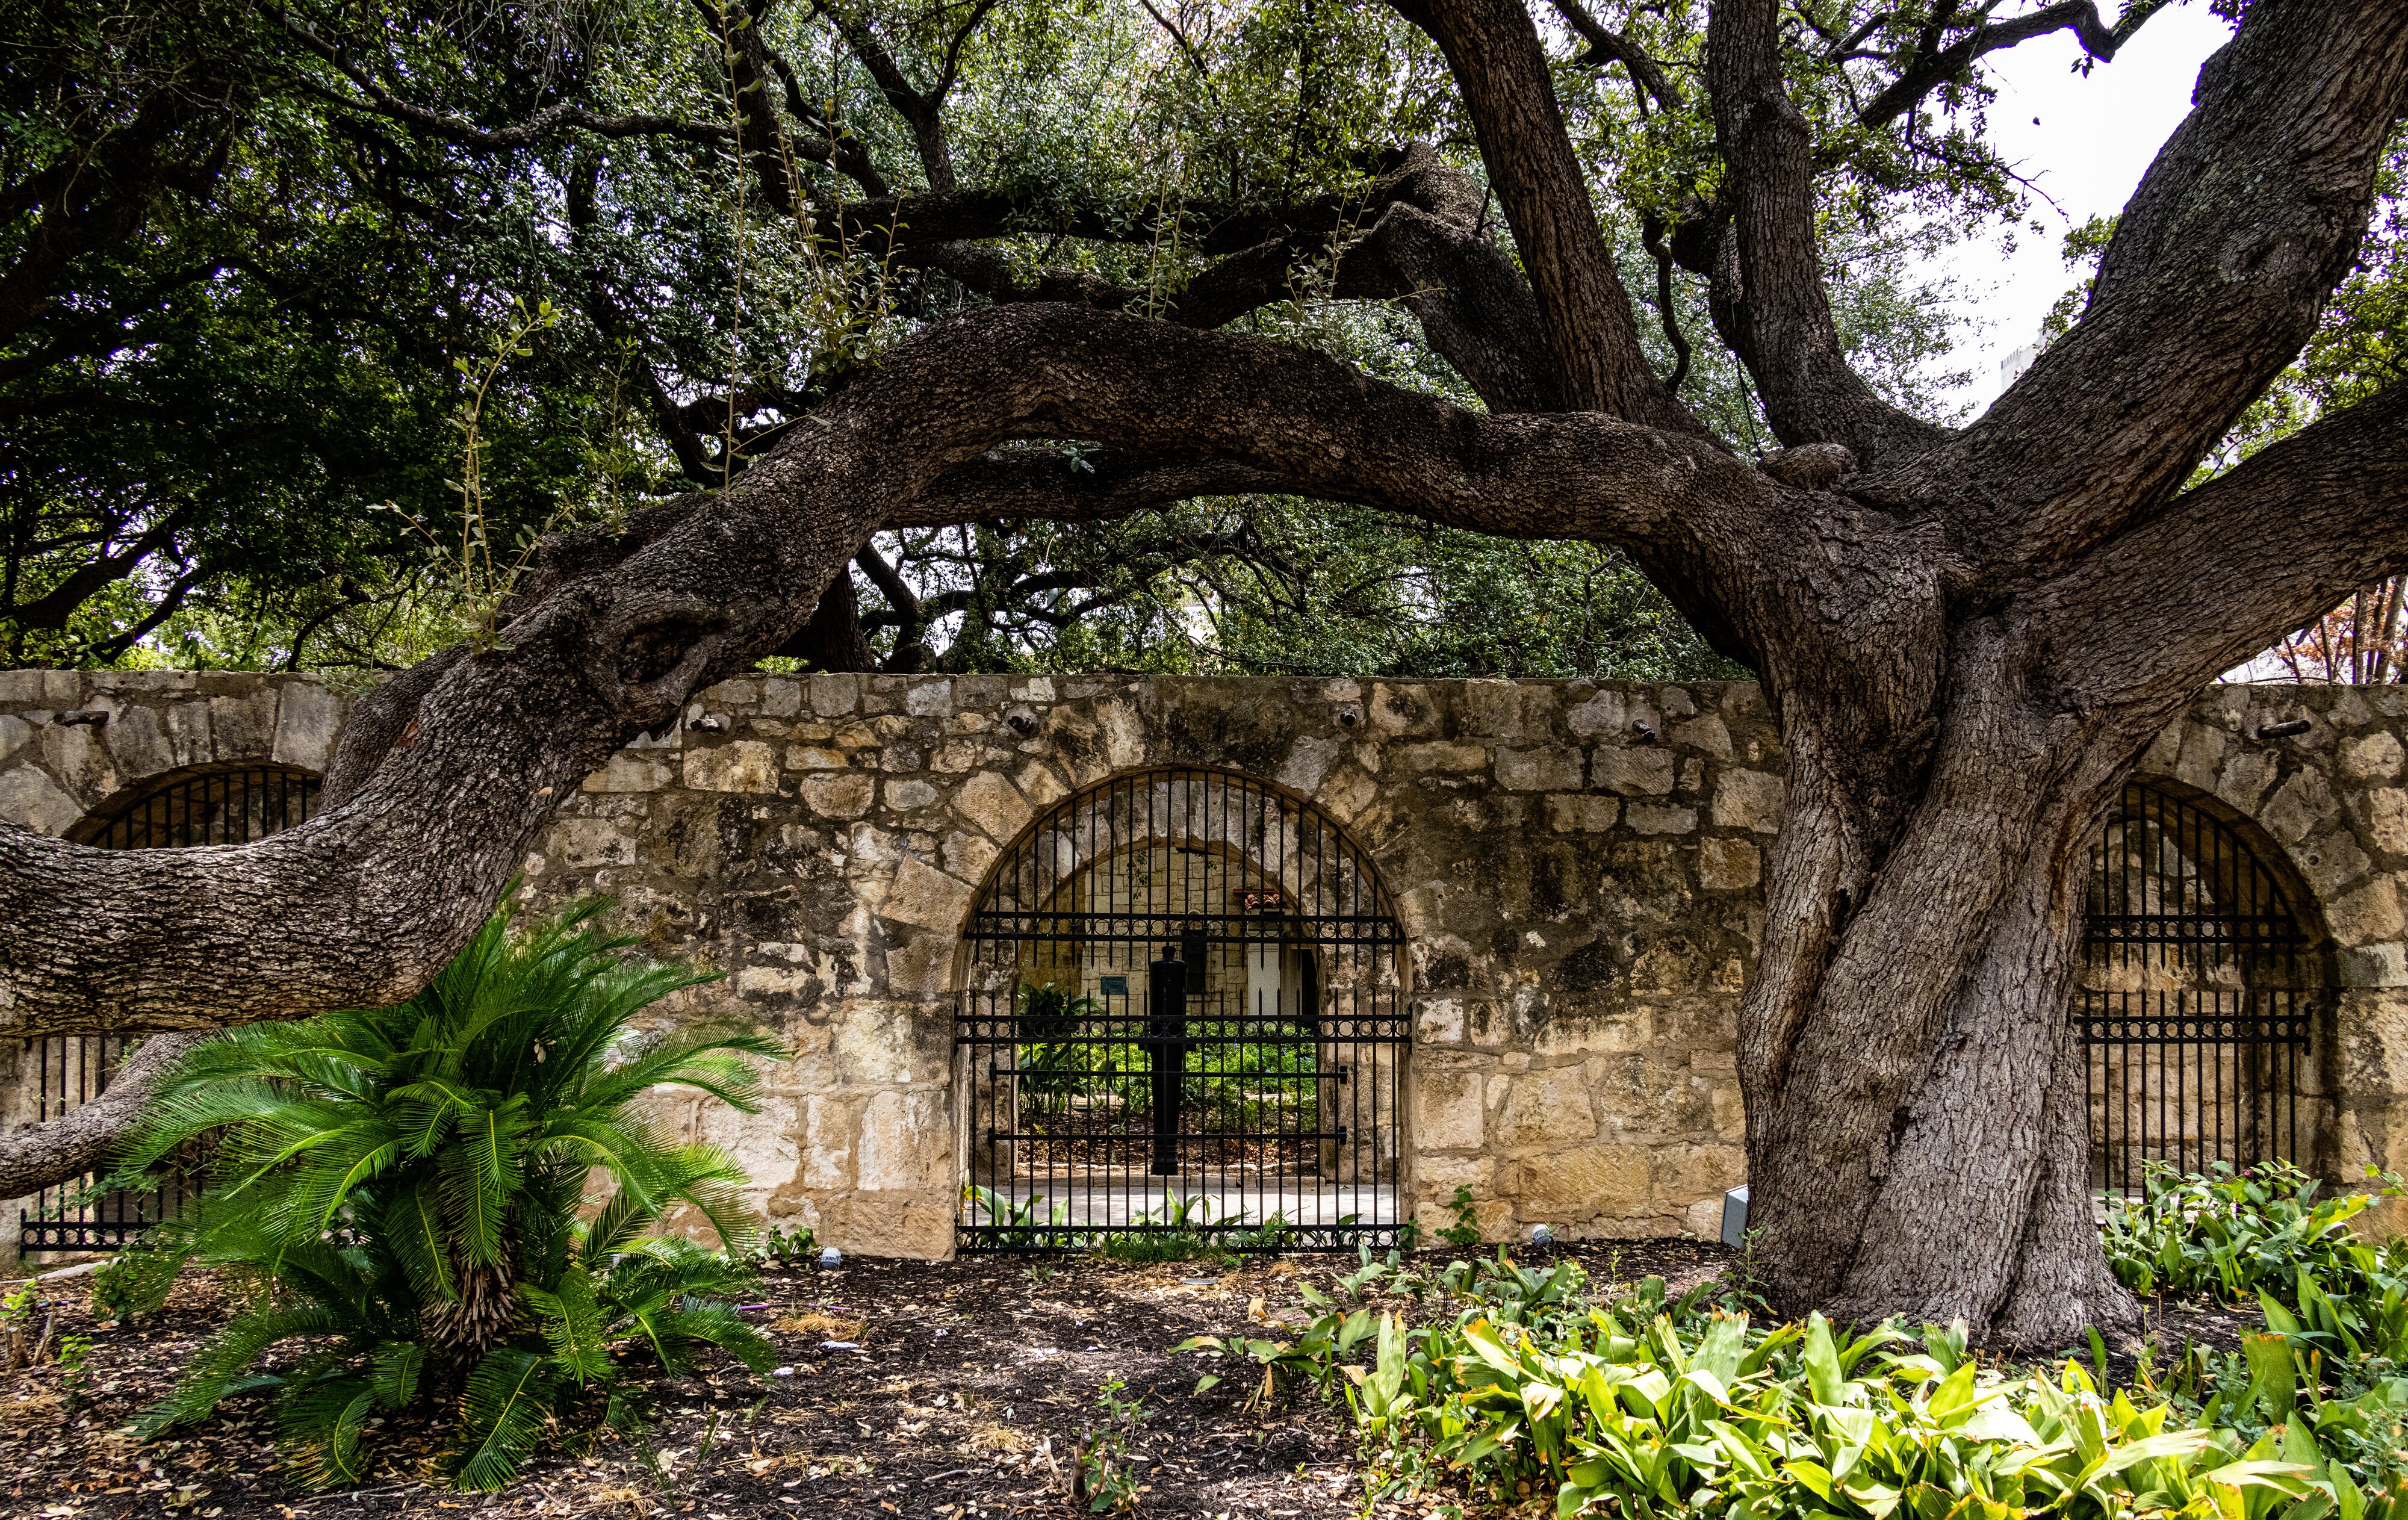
(57, 1073)
(1183, 1012)
(2197, 997)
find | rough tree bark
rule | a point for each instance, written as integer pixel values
(1967, 638)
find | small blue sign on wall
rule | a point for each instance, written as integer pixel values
(1116, 986)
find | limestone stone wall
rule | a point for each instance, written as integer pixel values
(1576, 869)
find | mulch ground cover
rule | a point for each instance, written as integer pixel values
(919, 1390)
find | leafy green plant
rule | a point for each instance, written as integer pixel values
(1024, 1230)
(1104, 1478)
(405, 1183)
(1053, 1059)
(799, 1247)
(75, 1368)
(2228, 1234)
(1608, 1413)
(1465, 1232)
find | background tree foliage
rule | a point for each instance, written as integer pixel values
(249, 247)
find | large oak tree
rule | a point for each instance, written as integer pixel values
(1966, 633)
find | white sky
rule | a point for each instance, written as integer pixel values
(2093, 140)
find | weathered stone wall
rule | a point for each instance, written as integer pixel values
(1576, 869)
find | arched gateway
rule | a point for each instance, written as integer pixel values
(2199, 996)
(1183, 1009)
(178, 810)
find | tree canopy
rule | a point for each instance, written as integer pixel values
(232, 367)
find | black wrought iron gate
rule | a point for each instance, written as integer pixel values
(57, 1073)
(1184, 1012)
(2198, 999)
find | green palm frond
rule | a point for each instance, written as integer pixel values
(694, 1323)
(319, 1425)
(481, 1173)
(625, 1216)
(507, 1404)
(413, 1232)
(227, 1356)
(393, 1371)
(573, 1324)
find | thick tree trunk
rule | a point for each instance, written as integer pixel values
(1917, 1139)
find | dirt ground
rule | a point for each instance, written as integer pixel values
(918, 1390)
(972, 1384)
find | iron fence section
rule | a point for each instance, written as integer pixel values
(2198, 999)
(1184, 1012)
(58, 1072)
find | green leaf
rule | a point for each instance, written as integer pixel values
(508, 1398)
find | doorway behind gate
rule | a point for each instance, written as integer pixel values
(1183, 1015)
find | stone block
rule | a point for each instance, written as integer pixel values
(306, 718)
(1547, 1107)
(2245, 777)
(909, 795)
(1566, 1032)
(916, 1225)
(1616, 714)
(242, 729)
(2386, 820)
(1439, 1021)
(1422, 759)
(994, 806)
(929, 697)
(967, 855)
(1640, 772)
(1707, 734)
(782, 697)
(1578, 812)
(29, 797)
(1493, 708)
(834, 694)
(16, 733)
(837, 796)
(1550, 769)
(2331, 862)
(831, 1127)
(2368, 915)
(1728, 865)
(816, 757)
(2374, 757)
(76, 756)
(630, 770)
(1749, 799)
(1308, 764)
(1586, 1183)
(187, 725)
(1040, 785)
(1652, 818)
(137, 743)
(1447, 1112)
(905, 1145)
(1683, 1173)
(921, 893)
(2300, 806)
(747, 765)
(922, 965)
(1666, 965)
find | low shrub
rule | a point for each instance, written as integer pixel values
(402, 1186)
(1520, 1388)
(2228, 1234)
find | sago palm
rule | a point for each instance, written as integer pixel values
(407, 1182)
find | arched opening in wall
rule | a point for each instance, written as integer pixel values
(57, 1073)
(1182, 1011)
(2199, 996)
